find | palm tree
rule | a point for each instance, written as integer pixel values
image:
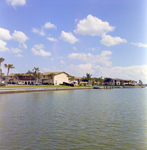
(71, 78)
(108, 81)
(51, 76)
(9, 66)
(100, 80)
(1, 60)
(30, 73)
(17, 75)
(88, 76)
(39, 74)
(36, 70)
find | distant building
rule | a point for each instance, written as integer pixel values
(122, 82)
(57, 78)
(26, 79)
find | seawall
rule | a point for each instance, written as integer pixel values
(20, 90)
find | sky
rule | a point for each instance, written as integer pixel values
(104, 38)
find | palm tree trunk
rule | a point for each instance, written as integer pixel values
(53, 80)
(0, 74)
(30, 79)
(37, 78)
(7, 77)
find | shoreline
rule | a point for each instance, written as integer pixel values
(23, 90)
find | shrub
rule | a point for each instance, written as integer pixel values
(2, 84)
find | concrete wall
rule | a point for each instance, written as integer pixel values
(60, 78)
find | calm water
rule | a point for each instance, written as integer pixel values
(79, 119)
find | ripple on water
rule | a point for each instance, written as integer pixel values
(80, 119)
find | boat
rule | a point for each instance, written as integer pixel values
(96, 87)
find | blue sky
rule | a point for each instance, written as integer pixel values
(104, 38)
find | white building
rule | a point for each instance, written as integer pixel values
(55, 78)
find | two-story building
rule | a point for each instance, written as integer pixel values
(54, 78)
(123, 82)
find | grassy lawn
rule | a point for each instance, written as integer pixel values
(37, 86)
(32, 86)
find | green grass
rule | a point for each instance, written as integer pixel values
(33, 86)
(37, 86)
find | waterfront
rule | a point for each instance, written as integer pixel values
(74, 119)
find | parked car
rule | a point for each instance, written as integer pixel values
(38, 83)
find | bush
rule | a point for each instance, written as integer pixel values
(2, 84)
(84, 84)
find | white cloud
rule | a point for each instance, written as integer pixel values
(94, 48)
(105, 53)
(23, 45)
(93, 26)
(139, 44)
(111, 41)
(5, 34)
(3, 46)
(49, 25)
(52, 58)
(74, 48)
(41, 32)
(80, 70)
(131, 73)
(68, 37)
(15, 50)
(39, 46)
(16, 2)
(102, 59)
(51, 39)
(62, 62)
(18, 55)
(19, 36)
(40, 51)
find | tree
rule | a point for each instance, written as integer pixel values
(88, 76)
(99, 80)
(36, 70)
(140, 82)
(9, 66)
(39, 74)
(51, 76)
(17, 75)
(70, 78)
(30, 73)
(1, 60)
(108, 81)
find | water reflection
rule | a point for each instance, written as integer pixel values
(80, 119)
